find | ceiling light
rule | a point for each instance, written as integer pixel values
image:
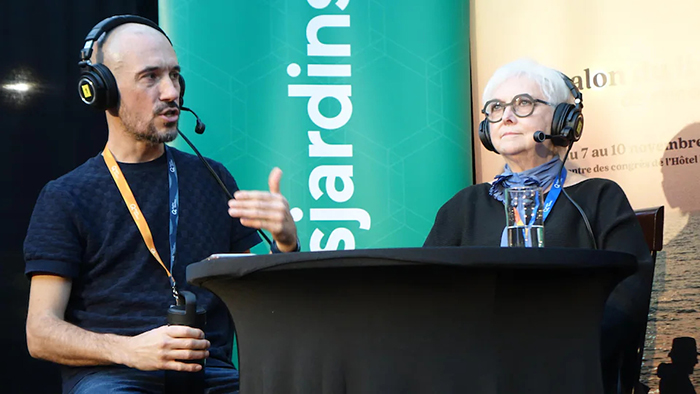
(19, 87)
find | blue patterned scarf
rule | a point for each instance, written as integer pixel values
(542, 176)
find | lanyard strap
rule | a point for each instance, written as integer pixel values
(138, 217)
(554, 193)
(174, 194)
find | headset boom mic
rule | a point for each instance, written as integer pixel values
(200, 126)
(540, 136)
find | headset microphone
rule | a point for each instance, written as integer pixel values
(200, 126)
(199, 129)
(540, 137)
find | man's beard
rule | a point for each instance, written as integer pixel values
(151, 134)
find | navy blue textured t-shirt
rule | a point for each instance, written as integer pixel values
(81, 229)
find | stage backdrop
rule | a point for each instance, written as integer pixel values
(365, 106)
(639, 72)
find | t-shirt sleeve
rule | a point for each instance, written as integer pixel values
(53, 244)
(242, 237)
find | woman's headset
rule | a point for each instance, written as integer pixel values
(97, 86)
(567, 122)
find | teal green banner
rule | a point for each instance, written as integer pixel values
(365, 106)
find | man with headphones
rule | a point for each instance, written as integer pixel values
(108, 243)
(532, 113)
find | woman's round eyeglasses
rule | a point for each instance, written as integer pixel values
(523, 106)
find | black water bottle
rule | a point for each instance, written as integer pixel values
(186, 313)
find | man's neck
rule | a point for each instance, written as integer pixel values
(135, 151)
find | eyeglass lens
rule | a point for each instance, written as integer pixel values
(523, 105)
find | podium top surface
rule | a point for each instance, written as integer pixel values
(240, 265)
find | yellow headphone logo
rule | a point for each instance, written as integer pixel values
(87, 93)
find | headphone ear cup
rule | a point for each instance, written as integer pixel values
(567, 123)
(91, 87)
(485, 135)
(97, 87)
(559, 118)
(111, 91)
(181, 80)
(575, 122)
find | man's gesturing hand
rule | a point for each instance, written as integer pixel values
(268, 211)
(165, 347)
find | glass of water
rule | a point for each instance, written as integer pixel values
(524, 216)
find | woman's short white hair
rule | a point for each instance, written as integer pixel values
(550, 81)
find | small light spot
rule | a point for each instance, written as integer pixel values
(20, 87)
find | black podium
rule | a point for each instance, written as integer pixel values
(418, 320)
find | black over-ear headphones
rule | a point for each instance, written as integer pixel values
(567, 122)
(97, 86)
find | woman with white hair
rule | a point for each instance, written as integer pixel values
(532, 114)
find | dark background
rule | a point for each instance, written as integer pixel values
(48, 132)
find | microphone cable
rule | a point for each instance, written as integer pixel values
(583, 215)
(211, 170)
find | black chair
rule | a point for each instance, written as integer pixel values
(652, 222)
